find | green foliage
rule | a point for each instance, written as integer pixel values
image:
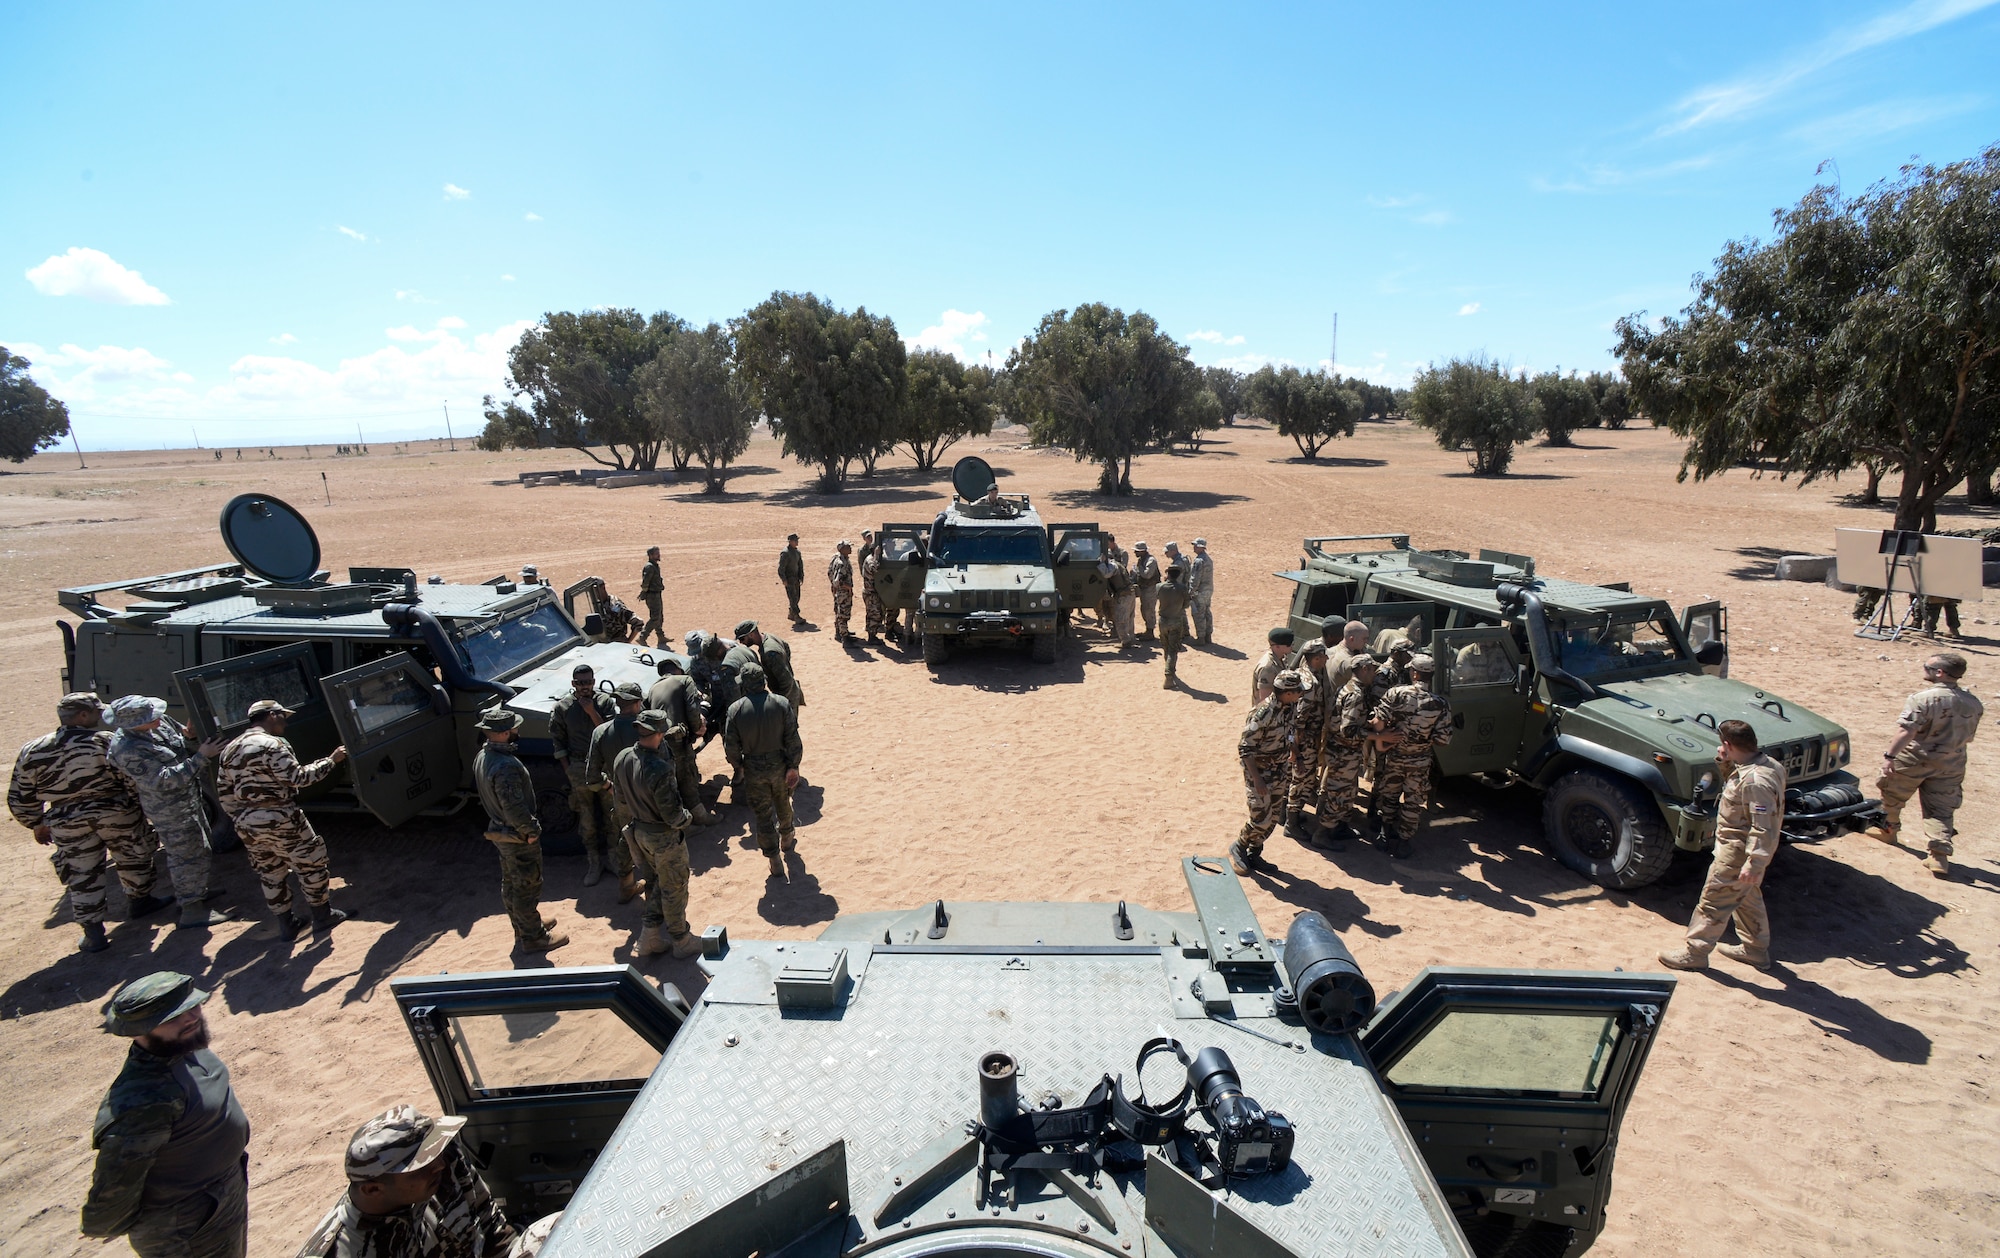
(1102, 386)
(509, 427)
(1310, 407)
(1200, 412)
(1227, 386)
(1866, 332)
(1473, 405)
(1566, 404)
(833, 383)
(30, 419)
(947, 401)
(694, 396)
(1613, 398)
(575, 371)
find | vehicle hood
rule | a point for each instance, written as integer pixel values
(537, 690)
(990, 576)
(1683, 709)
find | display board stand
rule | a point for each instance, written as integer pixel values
(1903, 552)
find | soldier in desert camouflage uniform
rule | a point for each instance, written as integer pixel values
(1344, 750)
(1749, 817)
(257, 783)
(643, 779)
(514, 828)
(1265, 750)
(1201, 592)
(1416, 721)
(1173, 619)
(840, 575)
(676, 695)
(871, 601)
(1309, 717)
(606, 741)
(411, 1193)
(572, 720)
(163, 766)
(67, 793)
(1926, 759)
(761, 737)
(1146, 586)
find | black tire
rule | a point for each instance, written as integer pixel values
(1606, 829)
(1042, 648)
(935, 649)
(559, 833)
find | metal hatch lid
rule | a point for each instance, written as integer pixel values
(270, 538)
(972, 476)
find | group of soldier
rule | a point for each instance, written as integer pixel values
(1139, 591)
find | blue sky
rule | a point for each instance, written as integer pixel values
(275, 222)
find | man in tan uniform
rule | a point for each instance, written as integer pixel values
(1927, 759)
(1748, 817)
(1270, 664)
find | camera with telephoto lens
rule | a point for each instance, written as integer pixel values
(1249, 1139)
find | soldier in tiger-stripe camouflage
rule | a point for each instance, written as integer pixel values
(1265, 751)
(1417, 721)
(257, 782)
(840, 575)
(1309, 717)
(1344, 750)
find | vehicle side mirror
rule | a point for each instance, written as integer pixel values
(593, 626)
(1711, 654)
(1062, 560)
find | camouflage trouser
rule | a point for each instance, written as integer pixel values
(792, 591)
(1121, 617)
(521, 888)
(280, 841)
(1204, 620)
(1938, 795)
(771, 800)
(185, 837)
(843, 608)
(1171, 642)
(656, 620)
(1724, 898)
(1342, 781)
(1149, 605)
(617, 854)
(81, 844)
(1304, 786)
(211, 1222)
(687, 775)
(871, 610)
(589, 808)
(1402, 788)
(666, 874)
(1264, 790)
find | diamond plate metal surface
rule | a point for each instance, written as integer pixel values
(895, 1069)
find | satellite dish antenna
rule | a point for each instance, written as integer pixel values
(270, 538)
(972, 476)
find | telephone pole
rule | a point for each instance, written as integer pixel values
(1333, 351)
(447, 427)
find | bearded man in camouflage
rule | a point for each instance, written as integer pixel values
(1415, 722)
(1265, 750)
(258, 782)
(163, 765)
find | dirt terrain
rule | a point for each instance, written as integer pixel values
(1842, 1103)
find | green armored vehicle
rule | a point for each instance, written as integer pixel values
(988, 571)
(1601, 698)
(1060, 1080)
(396, 669)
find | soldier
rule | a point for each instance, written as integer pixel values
(257, 782)
(651, 587)
(1201, 593)
(716, 678)
(1417, 721)
(1174, 556)
(1173, 611)
(871, 600)
(508, 795)
(1146, 584)
(840, 575)
(1265, 750)
(1749, 815)
(676, 695)
(1270, 664)
(761, 737)
(610, 738)
(170, 1135)
(572, 720)
(792, 574)
(163, 766)
(67, 793)
(1117, 605)
(1344, 750)
(411, 1193)
(774, 654)
(644, 781)
(1346, 645)
(1927, 759)
(1309, 723)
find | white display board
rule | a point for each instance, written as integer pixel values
(1950, 565)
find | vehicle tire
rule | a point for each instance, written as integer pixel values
(1042, 648)
(935, 649)
(559, 834)
(1606, 829)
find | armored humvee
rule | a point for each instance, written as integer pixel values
(394, 668)
(1061, 1080)
(988, 571)
(1600, 697)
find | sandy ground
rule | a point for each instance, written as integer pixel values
(1842, 1103)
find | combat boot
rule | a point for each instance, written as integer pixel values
(1743, 956)
(290, 924)
(146, 906)
(1938, 863)
(1685, 959)
(685, 946)
(628, 887)
(1336, 836)
(1398, 846)
(875, 639)
(93, 938)
(324, 918)
(1883, 833)
(547, 943)
(650, 943)
(788, 842)
(198, 916)
(1242, 859)
(777, 864)
(593, 869)
(1295, 824)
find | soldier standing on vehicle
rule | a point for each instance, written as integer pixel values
(761, 737)
(871, 599)
(163, 766)
(1201, 593)
(412, 1193)
(610, 738)
(1173, 609)
(508, 794)
(66, 792)
(676, 695)
(840, 575)
(644, 781)
(1348, 730)
(651, 587)
(1265, 751)
(792, 575)
(1146, 584)
(1309, 716)
(1749, 815)
(1418, 721)
(572, 720)
(1274, 661)
(1927, 759)
(257, 782)
(170, 1135)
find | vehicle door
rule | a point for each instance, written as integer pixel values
(1075, 550)
(1477, 673)
(1512, 1084)
(401, 735)
(542, 1065)
(218, 697)
(1707, 628)
(1388, 621)
(899, 577)
(1316, 599)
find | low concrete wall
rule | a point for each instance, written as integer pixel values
(626, 480)
(1804, 567)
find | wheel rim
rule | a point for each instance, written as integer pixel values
(1593, 831)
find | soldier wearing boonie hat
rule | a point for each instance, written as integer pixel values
(411, 1192)
(170, 1134)
(1265, 750)
(164, 764)
(514, 826)
(606, 741)
(257, 782)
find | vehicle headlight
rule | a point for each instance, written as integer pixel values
(936, 602)
(1836, 752)
(1706, 784)
(1048, 600)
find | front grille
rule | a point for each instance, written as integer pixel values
(990, 601)
(1802, 759)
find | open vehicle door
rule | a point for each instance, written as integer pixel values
(542, 1065)
(1389, 621)
(899, 577)
(1477, 671)
(218, 698)
(1513, 1084)
(1075, 550)
(1707, 628)
(401, 735)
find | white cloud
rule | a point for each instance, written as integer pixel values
(1603, 176)
(441, 330)
(452, 192)
(1884, 118)
(350, 233)
(1432, 218)
(1469, 308)
(531, 217)
(1394, 202)
(1215, 338)
(284, 338)
(508, 278)
(412, 295)
(953, 330)
(94, 275)
(415, 372)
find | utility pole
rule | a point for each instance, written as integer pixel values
(1333, 352)
(197, 436)
(447, 427)
(77, 446)
(360, 442)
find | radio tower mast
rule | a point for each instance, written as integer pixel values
(1333, 352)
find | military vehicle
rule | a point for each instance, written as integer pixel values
(988, 571)
(395, 668)
(1061, 1080)
(1599, 697)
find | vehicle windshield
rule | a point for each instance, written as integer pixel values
(961, 545)
(1617, 642)
(507, 647)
